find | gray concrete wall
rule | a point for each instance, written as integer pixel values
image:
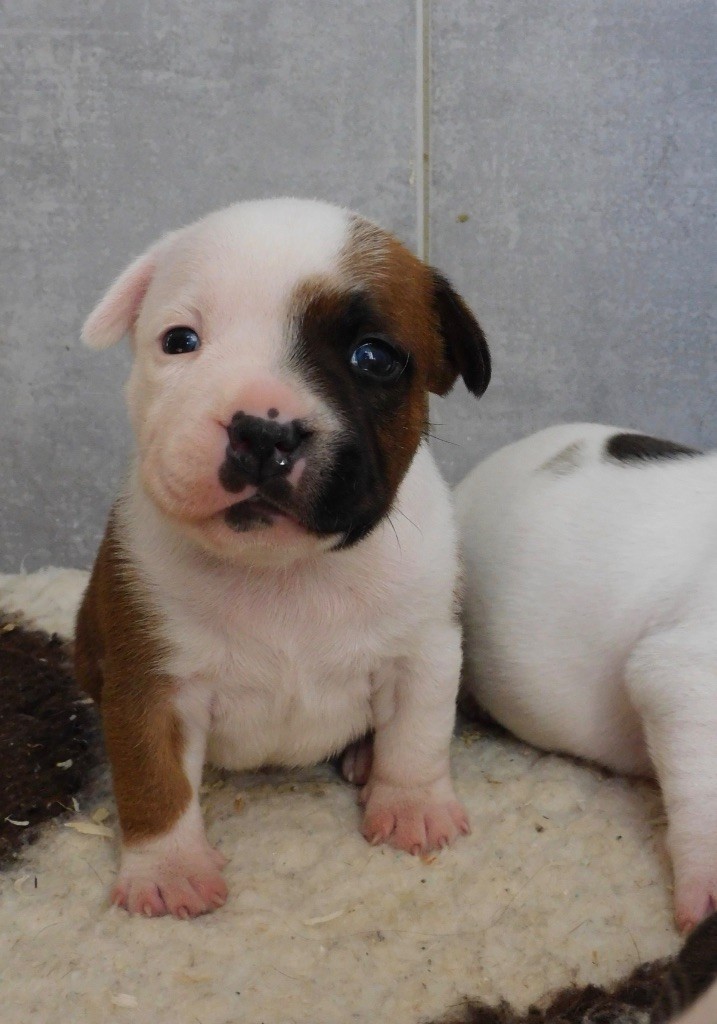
(578, 139)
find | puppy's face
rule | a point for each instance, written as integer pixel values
(284, 352)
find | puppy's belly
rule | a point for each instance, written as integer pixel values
(292, 725)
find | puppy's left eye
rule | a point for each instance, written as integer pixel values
(374, 357)
(179, 340)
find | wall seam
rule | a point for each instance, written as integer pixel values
(423, 127)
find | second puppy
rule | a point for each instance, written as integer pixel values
(591, 616)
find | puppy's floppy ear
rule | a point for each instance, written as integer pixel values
(465, 350)
(116, 312)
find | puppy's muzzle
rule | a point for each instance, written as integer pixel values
(262, 449)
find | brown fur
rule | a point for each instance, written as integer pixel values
(424, 313)
(431, 320)
(403, 296)
(116, 650)
(425, 317)
(400, 429)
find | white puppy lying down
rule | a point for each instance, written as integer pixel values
(278, 577)
(591, 616)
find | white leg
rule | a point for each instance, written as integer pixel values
(409, 799)
(672, 680)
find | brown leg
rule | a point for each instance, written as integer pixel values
(155, 739)
(167, 864)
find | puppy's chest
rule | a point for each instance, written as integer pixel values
(289, 673)
(245, 628)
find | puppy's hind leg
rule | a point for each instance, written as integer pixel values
(356, 760)
(672, 681)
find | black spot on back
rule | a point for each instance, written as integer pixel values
(642, 448)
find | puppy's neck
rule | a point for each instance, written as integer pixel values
(158, 547)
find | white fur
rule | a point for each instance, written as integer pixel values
(230, 277)
(292, 654)
(287, 664)
(282, 650)
(220, 262)
(591, 619)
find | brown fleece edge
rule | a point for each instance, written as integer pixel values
(50, 736)
(654, 992)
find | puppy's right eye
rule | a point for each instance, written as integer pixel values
(179, 340)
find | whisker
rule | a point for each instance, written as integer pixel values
(444, 439)
(388, 516)
(401, 512)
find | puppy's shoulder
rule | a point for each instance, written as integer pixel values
(115, 629)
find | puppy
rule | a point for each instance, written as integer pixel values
(278, 577)
(591, 616)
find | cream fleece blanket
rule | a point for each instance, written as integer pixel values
(564, 879)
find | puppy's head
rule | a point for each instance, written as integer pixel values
(284, 352)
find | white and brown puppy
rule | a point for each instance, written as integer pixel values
(278, 576)
(591, 616)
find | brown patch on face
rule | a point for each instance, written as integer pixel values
(435, 323)
(116, 658)
(352, 489)
(381, 293)
(401, 288)
(428, 319)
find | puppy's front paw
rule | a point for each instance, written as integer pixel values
(155, 880)
(415, 819)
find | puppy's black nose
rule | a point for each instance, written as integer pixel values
(261, 448)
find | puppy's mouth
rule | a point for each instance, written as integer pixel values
(256, 514)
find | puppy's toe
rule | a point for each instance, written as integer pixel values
(183, 883)
(379, 825)
(444, 822)
(194, 895)
(415, 820)
(140, 897)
